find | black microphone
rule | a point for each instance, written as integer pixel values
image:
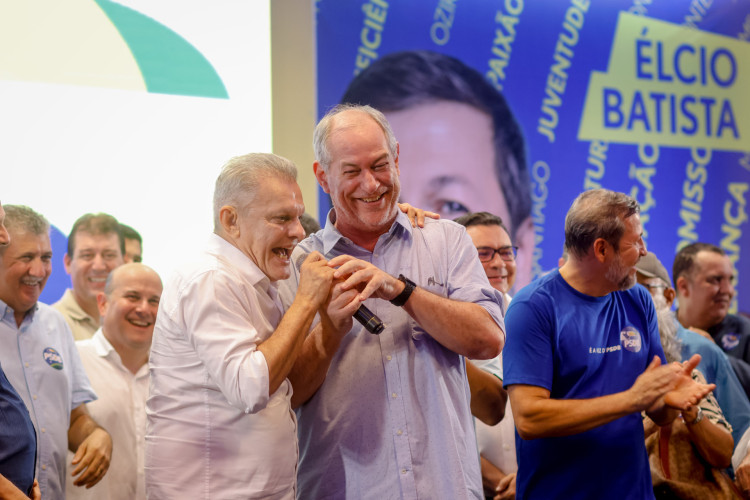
(367, 318)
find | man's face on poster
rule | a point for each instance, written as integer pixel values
(447, 159)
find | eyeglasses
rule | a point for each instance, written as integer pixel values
(486, 254)
(653, 287)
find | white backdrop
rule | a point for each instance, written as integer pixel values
(148, 159)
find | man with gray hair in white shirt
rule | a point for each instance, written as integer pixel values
(220, 424)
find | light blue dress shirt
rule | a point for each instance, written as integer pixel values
(716, 368)
(42, 364)
(392, 418)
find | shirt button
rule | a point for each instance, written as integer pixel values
(34, 397)
(394, 396)
(44, 430)
(388, 357)
(506, 447)
(399, 432)
(44, 467)
(26, 365)
(403, 471)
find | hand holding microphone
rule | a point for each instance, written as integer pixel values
(367, 318)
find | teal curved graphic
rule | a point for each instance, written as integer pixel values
(169, 63)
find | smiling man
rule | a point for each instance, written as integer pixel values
(388, 415)
(115, 359)
(584, 359)
(497, 440)
(40, 360)
(95, 247)
(220, 423)
(462, 149)
(704, 281)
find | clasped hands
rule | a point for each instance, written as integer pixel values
(670, 384)
(337, 287)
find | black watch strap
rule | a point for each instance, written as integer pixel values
(402, 297)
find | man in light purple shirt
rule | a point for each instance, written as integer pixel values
(220, 423)
(387, 416)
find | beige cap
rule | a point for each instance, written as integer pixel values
(651, 267)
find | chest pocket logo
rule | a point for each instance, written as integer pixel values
(53, 358)
(730, 341)
(630, 338)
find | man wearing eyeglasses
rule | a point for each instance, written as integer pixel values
(497, 448)
(714, 365)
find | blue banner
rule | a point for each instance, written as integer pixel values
(645, 97)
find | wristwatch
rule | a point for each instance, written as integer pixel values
(409, 286)
(698, 417)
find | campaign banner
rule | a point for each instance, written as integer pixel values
(650, 98)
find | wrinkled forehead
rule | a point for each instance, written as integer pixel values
(355, 132)
(23, 240)
(277, 194)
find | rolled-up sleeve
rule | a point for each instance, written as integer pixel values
(468, 280)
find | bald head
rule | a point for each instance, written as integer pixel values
(133, 270)
(128, 308)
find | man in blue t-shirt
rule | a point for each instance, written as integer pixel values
(583, 359)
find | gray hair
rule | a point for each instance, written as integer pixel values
(598, 213)
(241, 177)
(325, 126)
(23, 218)
(403, 80)
(667, 330)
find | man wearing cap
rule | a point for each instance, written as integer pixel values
(714, 365)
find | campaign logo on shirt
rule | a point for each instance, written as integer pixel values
(53, 358)
(630, 338)
(729, 341)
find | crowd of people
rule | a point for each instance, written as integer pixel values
(255, 371)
